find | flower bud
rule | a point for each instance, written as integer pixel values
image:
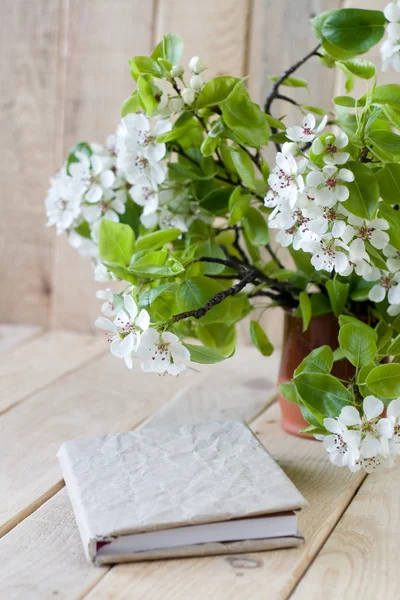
(175, 105)
(196, 65)
(188, 96)
(176, 71)
(290, 148)
(196, 82)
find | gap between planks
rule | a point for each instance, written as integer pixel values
(42, 360)
(52, 532)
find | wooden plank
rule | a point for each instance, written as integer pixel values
(37, 363)
(29, 48)
(101, 37)
(359, 560)
(216, 30)
(47, 543)
(14, 335)
(328, 490)
(100, 397)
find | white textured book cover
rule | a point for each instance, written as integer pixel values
(152, 479)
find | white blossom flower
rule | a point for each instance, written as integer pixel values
(327, 186)
(107, 308)
(196, 65)
(196, 82)
(328, 254)
(162, 353)
(110, 207)
(188, 95)
(388, 283)
(176, 71)
(63, 201)
(331, 147)
(286, 181)
(126, 329)
(393, 414)
(294, 228)
(342, 444)
(102, 274)
(375, 432)
(307, 132)
(373, 231)
(139, 154)
(101, 177)
(175, 105)
(85, 246)
(146, 195)
(390, 48)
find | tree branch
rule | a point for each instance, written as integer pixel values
(274, 256)
(217, 299)
(275, 89)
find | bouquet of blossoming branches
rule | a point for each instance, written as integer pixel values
(179, 204)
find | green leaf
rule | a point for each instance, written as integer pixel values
(289, 392)
(376, 255)
(149, 296)
(216, 91)
(392, 216)
(295, 82)
(363, 192)
(157, 239)
(131, 104)
(155, 265)
(323, 393)
(360, 68)
(213, 250)
(146, 93)
(387, 94)
(145, 64)
(348, 101)
(319, 360)
(238, 206)
(260, 339)
(394, 348)
(178, 132)
(306, 310)
(244, 167)
(203, 354)
(318, 22)
(349, 76)
(195, 292)
(116, 242)
(338, 293)
(255, 227)
(221, 336)
(384, 381)
(172, 46)
(384, 333)
(347, 320)
(358, 345)
(389, 182)
(217, 202)
(245, 118)
(354, 30)
(83, 230)
(385, 140)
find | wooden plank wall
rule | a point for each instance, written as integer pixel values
(64, 73)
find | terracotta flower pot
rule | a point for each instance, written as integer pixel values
(297, 344)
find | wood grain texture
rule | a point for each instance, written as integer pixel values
(102, 397)
(13, 335)
(37, 363)
(328, 490)
(29, 48)
(359, 560)
(100, 38)
(47, 542)
(216, 30)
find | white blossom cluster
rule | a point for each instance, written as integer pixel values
(131, 337)
(364, 442)
(86, 190)
(308, 212)
(390, 48)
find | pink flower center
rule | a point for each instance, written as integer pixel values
(386, 282)
(161, 350)
(365, 232)
(331, 149)
(331, 183)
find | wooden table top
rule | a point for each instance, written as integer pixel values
(59, 385)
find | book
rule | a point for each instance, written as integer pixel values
(192, 490)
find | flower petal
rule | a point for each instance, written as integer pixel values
(372, 407)
(350, 416)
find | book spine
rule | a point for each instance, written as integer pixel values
(88, 539)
